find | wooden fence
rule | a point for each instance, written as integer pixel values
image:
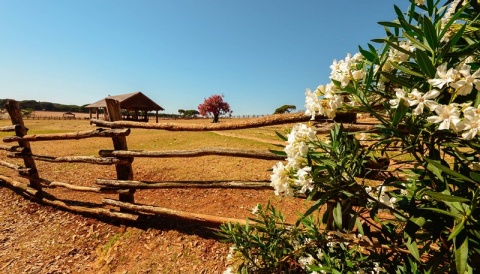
(34, 117)
(124, 185)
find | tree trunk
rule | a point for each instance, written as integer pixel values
(215, 118)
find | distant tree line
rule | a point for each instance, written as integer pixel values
(47, 106)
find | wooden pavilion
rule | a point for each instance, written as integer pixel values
(68, 115)
(135, 107)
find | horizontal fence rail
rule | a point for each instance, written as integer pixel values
(99, 132)
(73, 159)
(181, 184)
(259, 122)
(219, 151)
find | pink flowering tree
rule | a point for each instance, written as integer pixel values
(214, 106)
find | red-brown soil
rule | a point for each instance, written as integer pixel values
(35, 238)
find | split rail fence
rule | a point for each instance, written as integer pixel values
(124, 185)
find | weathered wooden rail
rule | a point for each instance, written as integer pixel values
(124, 185)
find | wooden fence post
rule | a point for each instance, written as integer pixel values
(124, 170)
(15, 113)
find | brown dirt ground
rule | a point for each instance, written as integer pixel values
(43, 239)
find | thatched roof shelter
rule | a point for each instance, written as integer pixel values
(68, 115)
(135, 106)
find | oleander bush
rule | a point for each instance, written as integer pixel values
(403, 197)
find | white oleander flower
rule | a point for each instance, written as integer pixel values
(393, 201)
(415, 98)
(296, 154)
(383, 197)
(301, 133)
(325, 106)
(404, 191)
(297, 144)
(255, 209)
(358, 75)
(447, 116)
(340, 71)
(320, 253)
(380, 195)
(468, 60)
(470, 123)
(475, 166)
(444, 76)
(368, 189)
(446, 18)
(397, 56)
(450, 11)
(387, 67)
(329, 90)
(231, 252)
(358, 57)
(229, 270)
(280, 180)
(377, 267)
(401, 97)
(305, 262)
(351, 68)
(465, 85)
(313, 103)
(363, 136)
(334, 103)
(304, 179)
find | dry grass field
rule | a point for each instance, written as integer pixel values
(42, 239)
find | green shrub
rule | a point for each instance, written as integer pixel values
(420, 214)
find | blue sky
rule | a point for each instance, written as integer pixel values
(261, 54)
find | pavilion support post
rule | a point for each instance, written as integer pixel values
(124, 170)
(156, 116)
(15, 113)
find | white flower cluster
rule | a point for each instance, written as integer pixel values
(416, 98)
(398, 56)
(296, 173)
(325, 100)
(395, 56)
(305, 262)
(460, 118)
(381, 195)
(447, 17)
(309, 260)
(459, 78)
(349, 69)
(230, 257)
(419, 2)
(229, 270)
(256, 209)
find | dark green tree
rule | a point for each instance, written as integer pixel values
(285, 109)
